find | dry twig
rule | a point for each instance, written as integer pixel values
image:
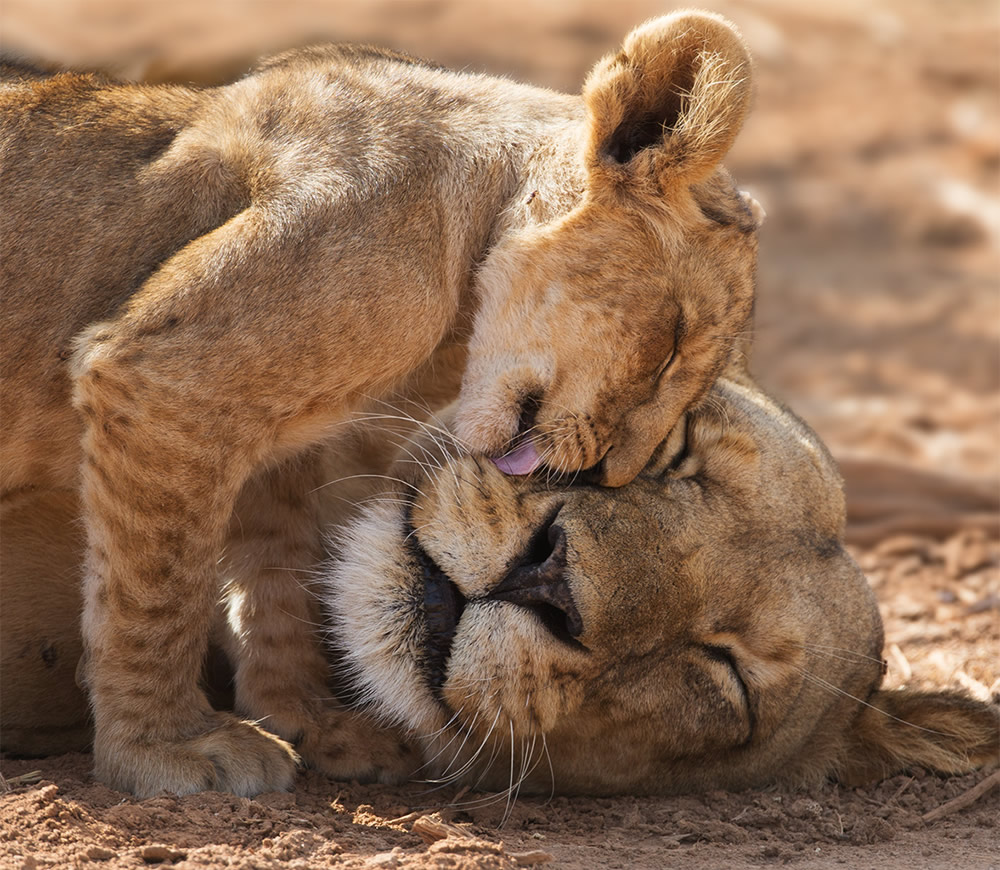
(433, 828)
(529, 859)
(964, 800)
(29, 778)
(901, 789)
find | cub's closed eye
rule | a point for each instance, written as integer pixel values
(666, 363)
(680, 326)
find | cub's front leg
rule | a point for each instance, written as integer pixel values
(273, 624)
(237, 348)
(158, 489)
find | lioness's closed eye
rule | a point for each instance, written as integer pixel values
(199, 285)
(699, 628)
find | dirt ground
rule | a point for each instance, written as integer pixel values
(875, 148)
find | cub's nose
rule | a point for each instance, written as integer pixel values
(540, 583)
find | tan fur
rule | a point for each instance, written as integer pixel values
(698, 628)
(41, 706)
(199, 286)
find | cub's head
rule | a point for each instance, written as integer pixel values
(698, 628)
(597, 328)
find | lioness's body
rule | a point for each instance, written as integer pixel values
(200, 285)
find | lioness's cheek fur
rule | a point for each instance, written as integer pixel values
(201, 286)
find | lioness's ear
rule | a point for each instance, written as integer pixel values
(942, 731)
(668, 105)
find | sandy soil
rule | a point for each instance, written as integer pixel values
(875, 147)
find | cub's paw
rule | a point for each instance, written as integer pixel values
(229, 755)
(345, 745)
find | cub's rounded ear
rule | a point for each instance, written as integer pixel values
(667, 106)
(946, 732)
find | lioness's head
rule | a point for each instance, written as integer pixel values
(598, 327)
(698, 628)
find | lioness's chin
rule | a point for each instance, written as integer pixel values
(458, 673)
(375, 597)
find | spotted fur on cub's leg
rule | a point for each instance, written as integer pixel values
(157, 514)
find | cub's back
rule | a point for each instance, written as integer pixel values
(101, 182)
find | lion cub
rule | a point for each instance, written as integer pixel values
(200, 285)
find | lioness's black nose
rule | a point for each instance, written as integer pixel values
(540, 582)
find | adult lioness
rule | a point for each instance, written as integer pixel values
(217, 277)
(699, 628)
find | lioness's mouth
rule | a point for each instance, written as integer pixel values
(443, 607)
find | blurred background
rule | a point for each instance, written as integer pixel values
(874, 146)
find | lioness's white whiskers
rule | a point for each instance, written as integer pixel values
(481, 802)
(819, 681)
(430, 461)
(455, 735)
(383, 499)
(450, 467)
(548, 758)
(541, 754)
(429, 458)
(492, 735)
(423, 425)
(446, 726)
(510, 788)
(439, 435)
(434, 433)
(431, 471)
(475, 754)
(526, 768)
(494, 752)
(371, 475)
(420, 528)
(850, 655)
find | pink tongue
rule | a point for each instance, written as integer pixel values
(520, 460)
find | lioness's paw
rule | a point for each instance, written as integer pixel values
(230, 755)
(345, 745)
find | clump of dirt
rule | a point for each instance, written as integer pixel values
(875, 148)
